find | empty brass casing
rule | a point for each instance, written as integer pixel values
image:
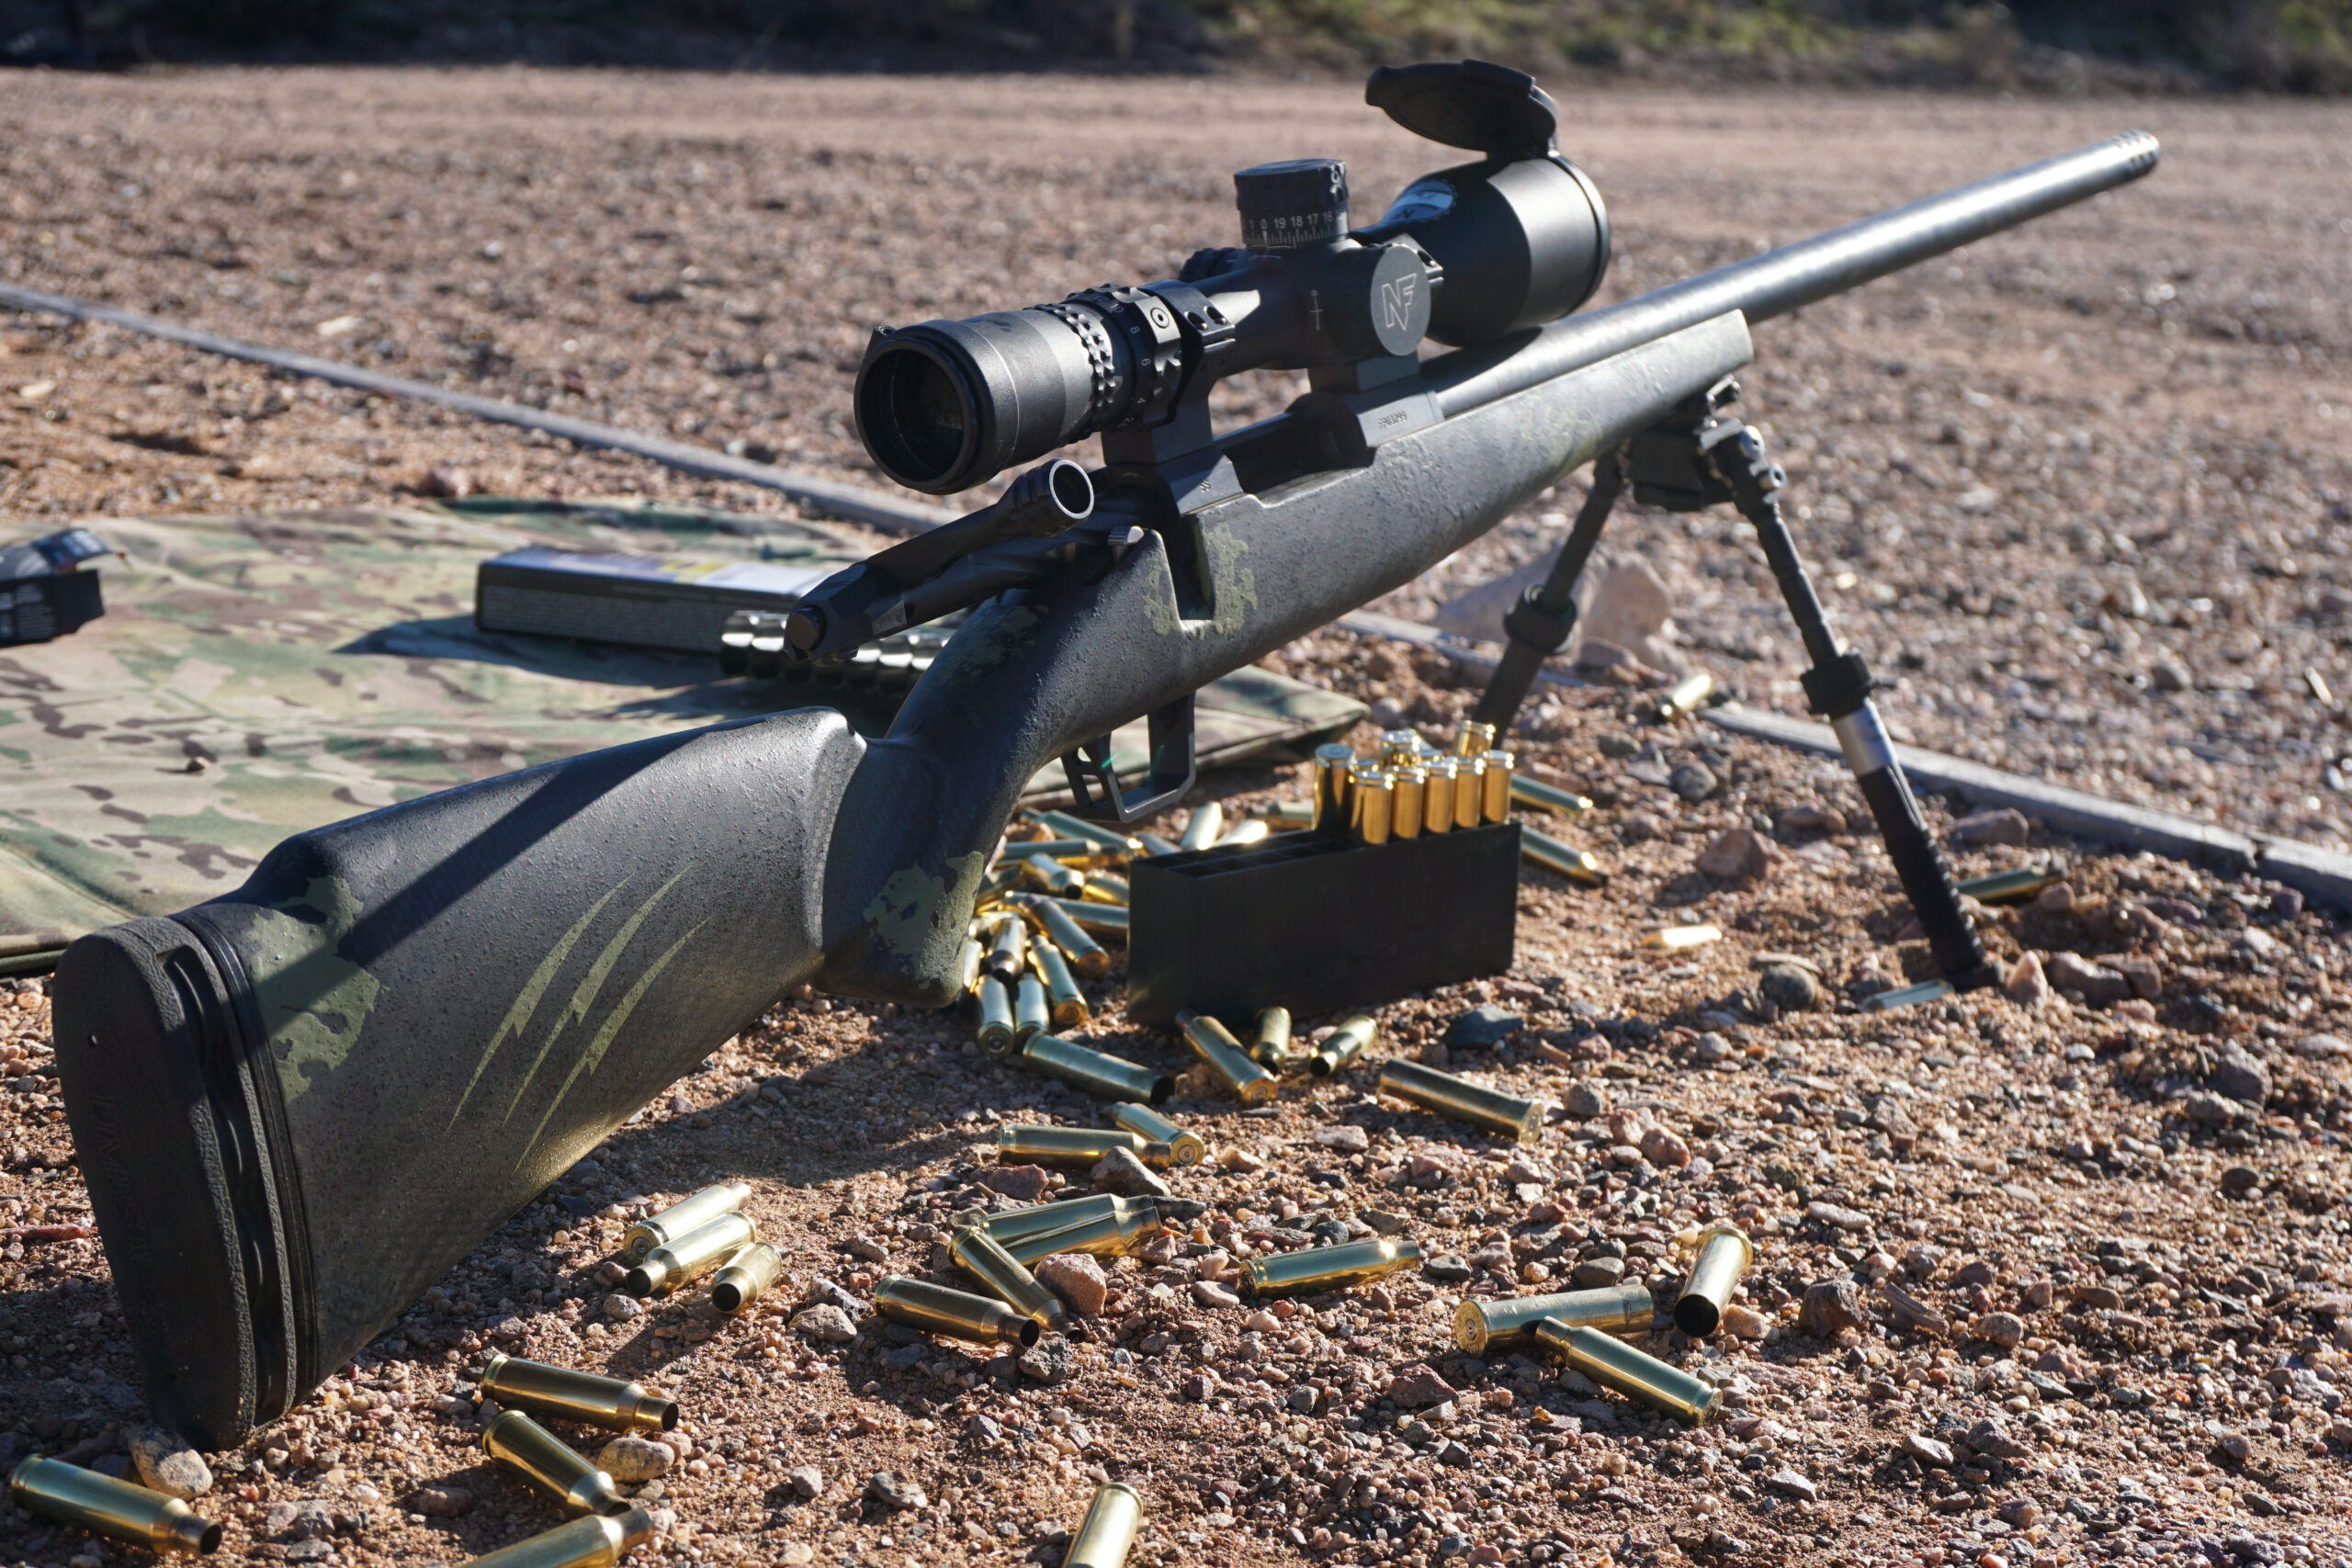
(1496, 770)
(1328, 810)
(692, 1256)
(1011, 1224)
(1634, 1373)
(1054, 923)
(1566, 860)
(1292, 813)
(1684, 696)
(1203, 828)
(1271, 1049)
(1488, 1325)
(984, 1258)
(1069, 851)
(1520, 1120)
(1032, 1012)
(586, 1397)
(1001, 878)
(1101, 888)
(1064, 1003)
(996, 1031)
(1103, 1075)
(594, 1541)
(1250, 833)
(1397, 745)
(1071, 1148)
(688, 1213)
(1184, 1145)
(1108, 1532)
(1070, 827)
(968, 966)
(1370, 804)
(1525, 791)
(1215, 1044)
(1342, 1046)
(1409, 799)
(956, 1313)
(1337, 1267)
(1052, 877)
(1437, 794)
(516, 1439)
(1008, 952)
(2009, 887)
(747, 1273)
(1724, 1257)
(106, 1506)
(1100, 918)
(1153, 844)
(1474, 738)
(1128, 1224)
(1469, 790)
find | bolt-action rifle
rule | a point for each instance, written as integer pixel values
(298, 1104)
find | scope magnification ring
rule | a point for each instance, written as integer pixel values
(1102, 357)
(1156, 342)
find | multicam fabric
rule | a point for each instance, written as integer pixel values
(257, 675)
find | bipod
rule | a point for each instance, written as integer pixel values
(1696, 459)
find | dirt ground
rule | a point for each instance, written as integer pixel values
(2074, 1267)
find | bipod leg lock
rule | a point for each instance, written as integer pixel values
(1094, 782)
(1539, 626)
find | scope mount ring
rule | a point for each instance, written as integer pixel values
(1094, 787)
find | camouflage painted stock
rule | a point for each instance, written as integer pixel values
(498, 975)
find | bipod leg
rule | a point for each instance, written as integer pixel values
(1837, 687)
(1539, 624)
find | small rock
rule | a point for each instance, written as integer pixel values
(1813, 816)
(2241, 1077)
(1417, 1387)
(807, 1479)
(621, 1308)
(1076, 1279)
(1022, 1183)
(2098, 985)
(1209, 1293)
(1639, 828)
(1664, 1149)
(1587, 1100)
(1346, 1138)
(1482, 1028)
(1694, 782)
(2026, 984)
(1597, 1273)
(1927, 1450)
(2018, 1514)
(1837, 1218)
(1830, 1307)
(2240, 1179)
(1740, 854)
(2058, 898)
(1050, 1360)
(1121, 1171)
(2006, 825)
(2169, 674)
(1744, 1322)
(1789, 989)
(1711, 1048)
(1990, 1437)
(1384, 1223)
(2003, 1328)
(825, 1322)
(448, 482)
(983, 1430)
(1199, 1387)
(886, 1488)
(1447, 1269)
(2209, 1110)
(797, 1554)
(2233, 1447)
(632, 1460)
(2144, 975)
(1790, 1483)
(168, 1464)
(440, 1502)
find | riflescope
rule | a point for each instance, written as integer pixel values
(1465, 255)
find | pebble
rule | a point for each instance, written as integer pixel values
(440, 1502)
(1790, 1483)
(825, 1322)
(1383, 1221)
(1022, 1183)
(1813, 816)
(2026, 983)
(2240, 1179)
(1121, 1171)
(1076, 1279)
(2003, 825)
(1694, 782)
(1417, 1387)
(167, 1463)
(2240, 1077)
(2002, 1329)
(621, 1308)
(1743, 1322)
(1209, 1293)
(1587, 1100)
(631, 1459)
(1739, 854)
(1830, 1307)
(806, 1480)
(2097, 984)
(1789, 989)
(1595, 1273)
(1665, 1149)
(1346, 1138)
(887, 1488)
(1836, 1217)
(1927, 1450)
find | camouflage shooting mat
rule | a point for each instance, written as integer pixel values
(257, 675)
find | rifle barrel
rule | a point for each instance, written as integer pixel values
(1795, 276)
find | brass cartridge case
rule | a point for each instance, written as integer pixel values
(1100, 1074)
(1069, 1148)
(516, 1439)
(2009, 887)
(1008, 952)
(1525, 791)
(1070, 827)
(1473, 740)
(996, 1031)
(1108, 1532)
(1184, 1145)
(747, 1274)
(984, 1258)
(1153, 844)
(1100, 918)
(1564, 859)
(1250, 832)
(1398, 745)
(592, 1541)
(1437, 794)
(968, 966)
(1292, 813)
(1469, 790)
(1370, 804)
(568, 1395)
(1215, 1044)
(1328, 811)
(1270, 1048)
(1908, 996)
(960, 1315)
(1495, 770)
(1049, 875)
(1001, 878)
(1054, 923)
(1203, 828)
(116, 1509)
(1011, 1224)
(1068, 852)
(1032, 1013)
(1486, 1326)
(689, 1214)
(1101, 888)
(1112, 1232)
(1683, 697)
(1634, 1373)
(1342, 1046)
(1678, 939)
(1461, 1101)
(1064, 1003)
(1319, 1268)
(1408, 800)
(1724, 1257)
(691, 1256)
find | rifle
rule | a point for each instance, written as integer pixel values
(297, 1105)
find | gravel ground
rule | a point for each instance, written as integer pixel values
(2117, 1222)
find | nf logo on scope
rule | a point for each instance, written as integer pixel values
(1396, 303)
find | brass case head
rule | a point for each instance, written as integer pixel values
(1064, 1003)
(1108, 1532)
(996, 1034)
(567, 1395)
(1397, 744)
(1069, 1148)
(960, 1315)
(1683, 697)
(1437, 794)
(1409, 800)
(1216, 1046)
(1722, 1258)
(1203, 828)
(1634, 1373)
(745, 1276)
(1562, 860)
(1487, 1325)
(1101, 888)
(1271, 1049)
(1474, 738)
(1536, 793)
(1329, 813)
(1371, 805)
(116, 1510)
(1098, 1073)
(691, 1256)
(1522, 1121)
(1051, 877)
(1320, 1268)
(1128, 1224)
(1054, 923)
(1008, 950)
(1495, 770)
(1032, 1013)
(512, 1438)
(1469, 790)
(687, 1214)
(1004, 1276)
(1342, 1046)
(592, 1541)
(1184, 1145)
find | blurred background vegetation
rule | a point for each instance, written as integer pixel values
(2296, 46)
